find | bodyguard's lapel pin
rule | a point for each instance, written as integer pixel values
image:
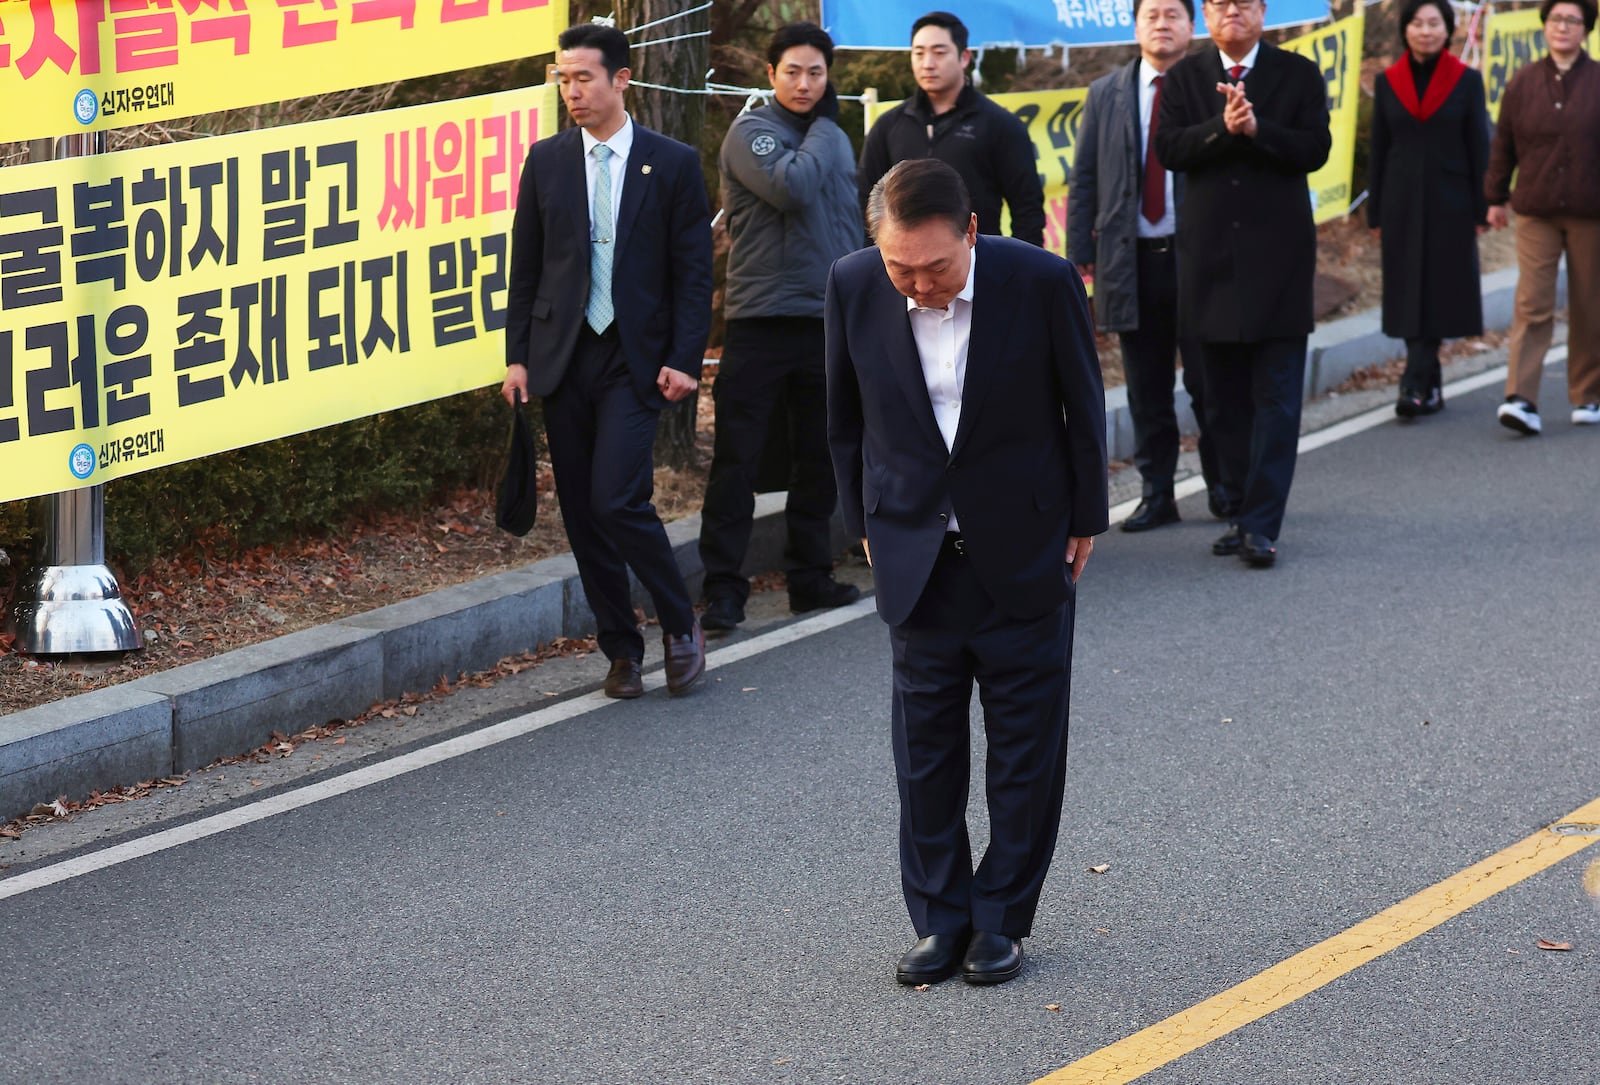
(645, 168)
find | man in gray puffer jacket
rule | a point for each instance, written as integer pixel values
(788, 185)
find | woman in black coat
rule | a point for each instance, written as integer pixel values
(1430, 148)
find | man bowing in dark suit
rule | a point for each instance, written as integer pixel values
(1244, 123)
(609, 307)
(966, 419)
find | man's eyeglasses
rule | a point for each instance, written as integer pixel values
(1221, 5)
(1564, 20)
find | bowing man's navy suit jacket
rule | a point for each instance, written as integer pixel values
(661, 273)
(1028, 466)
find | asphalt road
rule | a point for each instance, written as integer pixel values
(705, 889)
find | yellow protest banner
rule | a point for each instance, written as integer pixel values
(1052, 117)
(69, 67)
(173, 302)
(1336, 51)
(1513, 40)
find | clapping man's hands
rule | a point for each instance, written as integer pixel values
(1238, 114)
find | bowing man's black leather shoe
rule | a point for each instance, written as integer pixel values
(1153, 511)
(1228, 542)
(931, 959)
(1257, 551)
(992, 958)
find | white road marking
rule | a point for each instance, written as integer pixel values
(422, 758)
(1348, 428)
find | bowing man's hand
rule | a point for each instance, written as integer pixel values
(675, 385)
(1078, 551)
(866, 548)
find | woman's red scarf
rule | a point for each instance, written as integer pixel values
(1443, 82)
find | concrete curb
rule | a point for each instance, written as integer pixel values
(186, 717)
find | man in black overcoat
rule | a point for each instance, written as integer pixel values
(1245, 122)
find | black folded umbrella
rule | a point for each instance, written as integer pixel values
(517, 505)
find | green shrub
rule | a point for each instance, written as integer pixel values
(300, 485)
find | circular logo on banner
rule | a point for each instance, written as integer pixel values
(763, 145)
(81, 462)
(86, 106)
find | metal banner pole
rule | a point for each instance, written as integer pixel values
(69, 602)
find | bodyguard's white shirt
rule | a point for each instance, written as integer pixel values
(621, 143)
(1147, 96)
(941, 336)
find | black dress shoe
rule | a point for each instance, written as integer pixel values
(625, 681)
(1222, 506)
(992, 958)
(931, 960)
(722, 613)
(1416, 404)
(1228, 543)
(1257, 551)
(1153, 511)
(824, 594)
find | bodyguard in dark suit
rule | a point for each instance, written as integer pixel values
(1121, 222)
(1245, 122)
(966, 420)
(609, 308)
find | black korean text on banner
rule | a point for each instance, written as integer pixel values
(172, 302)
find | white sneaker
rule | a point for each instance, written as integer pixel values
(1518, 414)
(1586, 414)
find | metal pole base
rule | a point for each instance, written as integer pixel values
(71, 610)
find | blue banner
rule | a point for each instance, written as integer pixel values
(886, 24)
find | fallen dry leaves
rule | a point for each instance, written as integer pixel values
(197, 605)
(1545, 943)
(280, 745)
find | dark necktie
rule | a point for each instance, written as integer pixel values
(1237, 71)
(1153, 204)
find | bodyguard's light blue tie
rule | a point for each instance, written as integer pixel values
(600, 311)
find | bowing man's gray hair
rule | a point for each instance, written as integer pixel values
(917, 190)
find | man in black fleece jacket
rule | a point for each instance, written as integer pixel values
(949, 120)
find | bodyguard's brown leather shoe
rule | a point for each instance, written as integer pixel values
(625, 679)
(686, 659)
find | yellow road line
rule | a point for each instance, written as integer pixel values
(1283, 983)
